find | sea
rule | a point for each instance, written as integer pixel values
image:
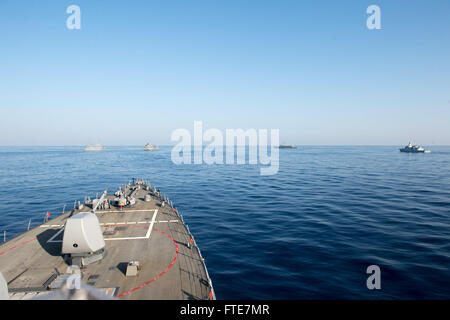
(308, 232)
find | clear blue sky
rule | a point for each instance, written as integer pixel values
(137, 70)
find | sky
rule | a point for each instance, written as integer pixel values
(138, 70)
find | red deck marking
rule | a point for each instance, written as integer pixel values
(162, 273)
(17, 246)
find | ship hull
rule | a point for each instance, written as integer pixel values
(412, 151)
(150, 231)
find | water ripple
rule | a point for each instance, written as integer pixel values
(308, 232)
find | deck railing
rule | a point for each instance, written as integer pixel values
(201, 257)
(14, 229)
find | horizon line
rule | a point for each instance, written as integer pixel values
(224, 145)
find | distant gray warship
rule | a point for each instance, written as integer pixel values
(132, 244)
(97, 147)
(149, 147)
(413, 149)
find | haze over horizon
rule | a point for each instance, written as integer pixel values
(135, 73)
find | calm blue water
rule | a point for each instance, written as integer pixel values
(308, 232)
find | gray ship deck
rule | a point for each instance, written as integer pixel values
(153, 235)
